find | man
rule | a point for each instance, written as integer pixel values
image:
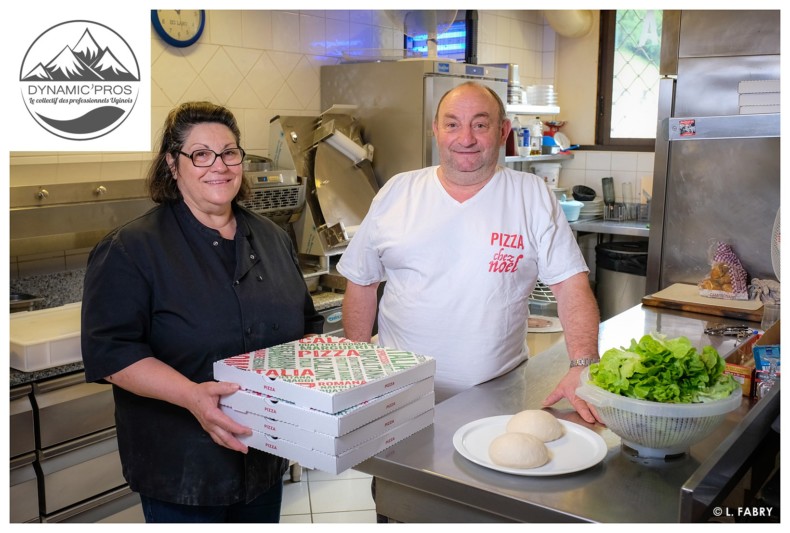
(461, 247)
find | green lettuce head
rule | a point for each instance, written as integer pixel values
(663, 370)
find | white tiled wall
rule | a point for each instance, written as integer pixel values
(519, 37)
(587, 168)
(264, 63)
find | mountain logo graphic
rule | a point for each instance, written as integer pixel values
(79, 80)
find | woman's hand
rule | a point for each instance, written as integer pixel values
(203, 403)
(152, 378)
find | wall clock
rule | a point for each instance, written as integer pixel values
(179, 27)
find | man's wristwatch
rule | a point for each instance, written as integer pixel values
(585, 361)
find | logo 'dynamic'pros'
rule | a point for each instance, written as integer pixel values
(79, 80)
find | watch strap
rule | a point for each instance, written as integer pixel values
(584, 361)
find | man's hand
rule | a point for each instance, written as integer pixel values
(566, 388)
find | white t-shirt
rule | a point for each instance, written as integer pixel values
(459, 275)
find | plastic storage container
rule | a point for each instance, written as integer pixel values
(620, 275)
(549, 171)
(45, 338)
(655, 429)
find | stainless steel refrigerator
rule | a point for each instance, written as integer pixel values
(396, 102)
(716, 175)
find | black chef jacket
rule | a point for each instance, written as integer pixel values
(159, 287)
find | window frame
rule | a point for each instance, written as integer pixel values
(603, 116)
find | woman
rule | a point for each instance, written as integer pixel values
(196, 279)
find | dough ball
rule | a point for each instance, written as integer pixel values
(518, 450)
(541, 424)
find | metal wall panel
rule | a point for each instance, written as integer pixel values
(708, 33)
(726, 187)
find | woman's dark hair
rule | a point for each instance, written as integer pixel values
(179, 122)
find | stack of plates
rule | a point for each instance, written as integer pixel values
(592, 209)
(541, 95)
(514, 93)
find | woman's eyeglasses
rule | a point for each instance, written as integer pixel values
(205, 158)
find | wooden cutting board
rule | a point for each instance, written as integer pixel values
(687, 298)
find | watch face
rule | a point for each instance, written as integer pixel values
(179, 27)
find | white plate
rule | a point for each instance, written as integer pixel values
(562, 141)
(543, 324)
(579, 448)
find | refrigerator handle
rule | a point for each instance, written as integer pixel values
(666, 99)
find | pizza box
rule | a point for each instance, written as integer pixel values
(328, 444)
(329, 374)
(760, 99)
(337, 424)
(335, 464)
(759, 86)
(758, 109)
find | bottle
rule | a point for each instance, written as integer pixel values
(536, 137)
(524, 142)
(518, 137)
(510, 147)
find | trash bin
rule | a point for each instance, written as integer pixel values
(620, 274)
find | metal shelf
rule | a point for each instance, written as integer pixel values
(537, 158)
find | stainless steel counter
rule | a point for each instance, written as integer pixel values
(423, 478)
(598, 225)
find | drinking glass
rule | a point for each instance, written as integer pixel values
(628, 192)
(771, 312)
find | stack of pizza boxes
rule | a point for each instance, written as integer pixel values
(328, 403)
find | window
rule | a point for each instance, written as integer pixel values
(629, 76)
(456, 42)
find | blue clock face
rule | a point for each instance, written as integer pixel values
(179, 27)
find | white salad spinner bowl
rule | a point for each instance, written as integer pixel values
(655, 429)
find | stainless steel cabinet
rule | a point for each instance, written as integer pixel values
(117, 506)
(333, 321)
(67, 467)
(23, 490)
(79, 470)
(22, 428)
(69, 408)
(23, 484)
